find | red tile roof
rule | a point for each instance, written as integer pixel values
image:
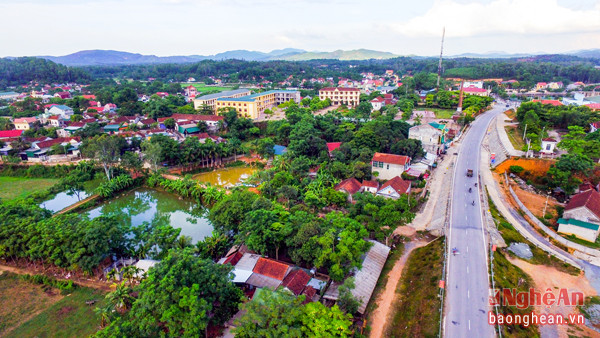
(549, 139)
(474, 90)
(397, 183)
(593, 106)
(296, 280)
(349, 185)
(596, 124)
(148, 121)
(330, 89)
(59, 140)
(589, 199)
(270, 268)
(552, 102)
(370, 184)
(331, 146)
(10, 133)
(391, 158)
(25, 120)
(89, 97)
(234, 259)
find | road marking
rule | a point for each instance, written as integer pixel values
(468, 294)
(469, 325)
(466, 231)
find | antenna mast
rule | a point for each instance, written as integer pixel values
(440, 64)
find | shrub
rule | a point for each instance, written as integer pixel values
(62, 285)
(517, 169)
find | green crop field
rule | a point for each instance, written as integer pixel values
(13, 187)
(202, 88)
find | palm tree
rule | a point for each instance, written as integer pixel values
(105, 314)
(183, 242)
(120, 299)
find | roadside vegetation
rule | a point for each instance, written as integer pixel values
(511, 235)
(417, 312)
(20, 187)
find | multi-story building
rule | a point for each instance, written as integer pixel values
(24, 123)
(211, 99)
(347, 96)
(252, 105)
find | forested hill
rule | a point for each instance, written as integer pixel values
(528, 69)
(20, 71)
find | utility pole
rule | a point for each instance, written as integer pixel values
(440, 63)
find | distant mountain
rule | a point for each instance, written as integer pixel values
(111, 57)
(586, 53)
(357, 54)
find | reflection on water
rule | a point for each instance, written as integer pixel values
(225, 176)
(157, 208)
(63, 200)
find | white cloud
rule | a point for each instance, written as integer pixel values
(528, 17)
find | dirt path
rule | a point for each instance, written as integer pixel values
(385, 301)
(76, 205)
(94, 284)
(545, 277)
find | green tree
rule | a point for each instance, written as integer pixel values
(106, 149)
(574, 141)
(153, 153)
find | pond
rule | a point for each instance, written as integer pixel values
(225, 177)
(158, 208)
(67, 198)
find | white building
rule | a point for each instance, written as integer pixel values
(548, 145)
(388, 166)
(429, 136)
(582, 216)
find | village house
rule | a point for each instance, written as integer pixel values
(349, 186)
(331, 146)
(191, 91)
(430, 137)
(394, 188)
(60, 109)
(24, 123)
(63, 95)
(476, 91)
(548, 145)
(369, 186)
(377, 103)
(57, 121)
(582, 216)
(8, 134)
(389, 166)
(594, 126)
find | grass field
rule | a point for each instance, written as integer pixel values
(417, 313)
(514, 135)
(443, 113)
(202, 88)
(31, 310)
(12, 187)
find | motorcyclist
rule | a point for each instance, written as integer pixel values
(469, 189)
(473, 203)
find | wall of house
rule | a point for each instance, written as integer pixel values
(388, 192)
(429, 137)
(583, 233)
(582, 214)
(388, 171)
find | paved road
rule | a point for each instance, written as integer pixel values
(468, 282)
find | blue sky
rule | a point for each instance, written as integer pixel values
(405, 27)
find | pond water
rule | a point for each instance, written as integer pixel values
(157, 208)
(226, 176)
(63, 200)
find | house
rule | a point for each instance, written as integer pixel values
(146, 122)
(63, 95)
(24, 123)
(594, 126)
(191, 91)
(366, 278)
(394, 188)
(331, 146)
(349, 186)
(541, 85)
(582, 216)
(41, 148)
(7, 134)
(8, 95)
(369, 186)
(377, 103)
(62, 110)
(430, 137)
(593, 106)
(555, 85)
(279, 150)
(162, 95)
(389, 166)
(57, 121)
(476, 91)
(212, 121)
(548, 145)
(189, 128)
(296, 281)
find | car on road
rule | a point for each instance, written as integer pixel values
(469, 172)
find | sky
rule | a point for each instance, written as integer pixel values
(205, 27)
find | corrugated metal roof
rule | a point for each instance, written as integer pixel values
(247, 262)
(262, 281)
(366, 278)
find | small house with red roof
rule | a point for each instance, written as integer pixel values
(369, 186)
(63, 95)
(394, 188)
(191, 91)
(296, 281)
(349, 186)
(24, 123)
(593, 106)
(377, 103)
(594, 126)
(331, 146)
(541, 85)
(472, 90)
(162, 95)
(6, 134)
(548, 145)
(551, 102)
(582, 216)
(388, 166)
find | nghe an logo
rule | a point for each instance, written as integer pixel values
(525, 299)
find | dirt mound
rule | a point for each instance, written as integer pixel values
(536, 166)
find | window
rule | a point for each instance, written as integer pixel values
(380, 164)
(388, 167)
(375, 163)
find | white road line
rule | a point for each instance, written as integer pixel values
(468, 294)
(469, 325)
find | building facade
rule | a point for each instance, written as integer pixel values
(338, 96)
(251, 106)
(429, 136)
(389, 166)
(211, 99)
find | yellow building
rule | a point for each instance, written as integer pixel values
(211, 99)
(347, 96)
(252, 105)
(24, 123)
